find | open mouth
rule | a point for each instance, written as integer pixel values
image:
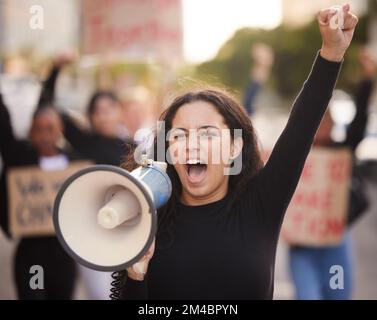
(196, 171)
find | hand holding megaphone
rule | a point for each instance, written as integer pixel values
(139, 269)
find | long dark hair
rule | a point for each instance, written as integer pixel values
(235, 117)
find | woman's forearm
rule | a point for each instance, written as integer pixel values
(48, 89)
(278, 179)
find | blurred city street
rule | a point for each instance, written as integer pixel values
(86, 84)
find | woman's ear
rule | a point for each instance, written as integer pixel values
(237, 148)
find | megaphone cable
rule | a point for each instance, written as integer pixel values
(119, 280)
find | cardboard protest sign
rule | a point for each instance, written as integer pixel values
(135, 28)
(31, 196)
(317, 213)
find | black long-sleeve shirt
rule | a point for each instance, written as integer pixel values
(230, 254)
(92, 145)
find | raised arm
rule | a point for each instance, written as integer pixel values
(48, 88)
(49, 85)
(78, 137)
(356, 130)
(277, 181)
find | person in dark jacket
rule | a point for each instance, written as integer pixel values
(40, 150)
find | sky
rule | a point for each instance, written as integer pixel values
(208, 24)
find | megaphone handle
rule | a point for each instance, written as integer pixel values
(139, 269)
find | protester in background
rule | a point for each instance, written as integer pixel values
(138, 114)
(42, 150)
(263, 59)
(309, 266)
(105, 143)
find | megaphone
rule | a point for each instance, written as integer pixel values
(106, 217)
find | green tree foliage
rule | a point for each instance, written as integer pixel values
(294, 50)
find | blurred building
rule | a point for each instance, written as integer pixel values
(298, 12)
(136, 29)
(21, 29)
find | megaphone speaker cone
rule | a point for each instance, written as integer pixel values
(102, 232)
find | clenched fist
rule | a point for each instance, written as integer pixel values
(337, 27)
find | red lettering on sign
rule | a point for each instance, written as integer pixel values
(313, 199)
(338, 169)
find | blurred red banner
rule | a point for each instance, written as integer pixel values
(133, 28)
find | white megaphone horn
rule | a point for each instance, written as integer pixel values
(106, 217)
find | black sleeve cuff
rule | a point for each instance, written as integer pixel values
(323, 76)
